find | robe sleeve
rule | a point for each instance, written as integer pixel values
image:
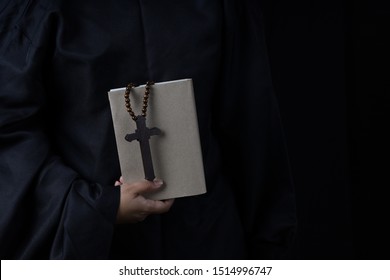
(47, 210)
(252, 137)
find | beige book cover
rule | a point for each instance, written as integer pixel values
(176, 152)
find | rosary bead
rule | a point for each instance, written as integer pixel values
(145, 100)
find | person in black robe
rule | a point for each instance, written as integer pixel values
(58, 157)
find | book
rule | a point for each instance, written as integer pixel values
(176, 153)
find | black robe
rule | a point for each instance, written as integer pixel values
(58, 157)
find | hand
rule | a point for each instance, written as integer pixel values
(134, 207)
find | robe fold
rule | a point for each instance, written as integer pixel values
(58, 157)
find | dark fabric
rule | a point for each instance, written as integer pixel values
(307, 48)
(329, 64)
(58, 159)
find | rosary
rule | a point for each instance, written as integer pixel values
(142, 133)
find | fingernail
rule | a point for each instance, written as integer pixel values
(158, 182)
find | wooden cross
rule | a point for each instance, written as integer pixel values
(142, 135)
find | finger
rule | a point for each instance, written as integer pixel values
(145, 186)
(158, 206)
(121, 180)
(141, 216)
(117, 183)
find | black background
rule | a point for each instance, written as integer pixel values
(331, 72)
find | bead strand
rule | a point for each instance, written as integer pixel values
(144, 102)
(127, 101)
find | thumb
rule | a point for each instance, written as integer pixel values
(147, 186)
